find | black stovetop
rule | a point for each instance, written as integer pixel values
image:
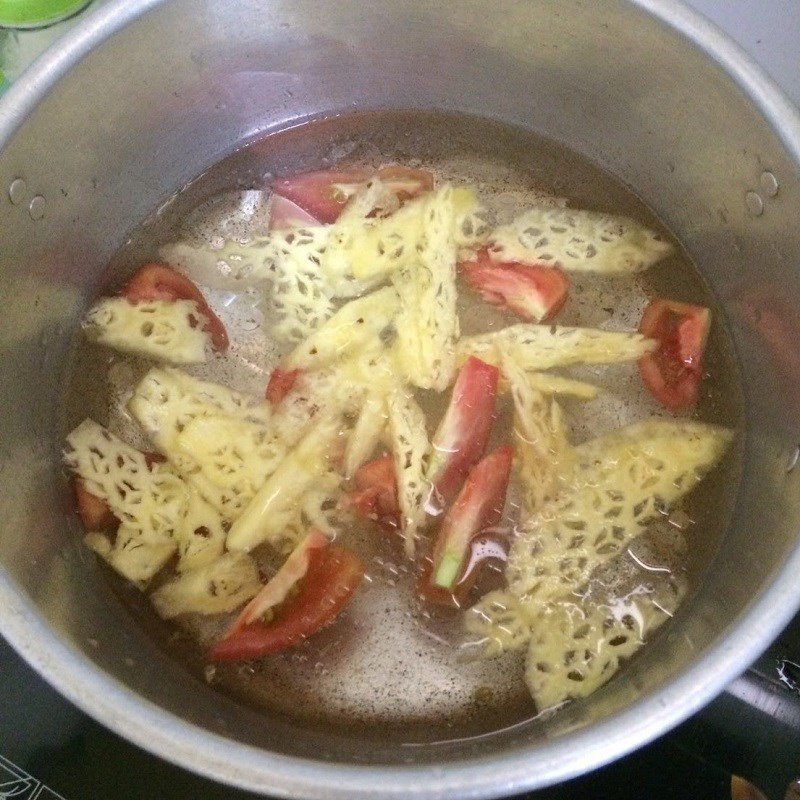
(49, 749)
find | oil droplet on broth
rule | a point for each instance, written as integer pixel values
(389, 663)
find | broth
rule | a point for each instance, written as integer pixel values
(389, 664)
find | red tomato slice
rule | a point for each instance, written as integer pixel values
(333, 575)
(533, 293)
(478, 506)
(375, 496)
(363, 501)
(672, 372)
(161, 282)
(281, 382)
(284, 213)
(462, 434)
(324, 194)
(379, 474)
(94, 512)
(279, 585)
(484, 549)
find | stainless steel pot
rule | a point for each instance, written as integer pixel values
(147, 93)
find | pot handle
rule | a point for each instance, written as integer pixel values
(753, 729)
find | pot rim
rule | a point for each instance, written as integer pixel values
(164, 734)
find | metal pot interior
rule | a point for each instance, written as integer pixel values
(153, 103)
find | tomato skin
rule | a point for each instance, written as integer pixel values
(446, 598)
(534, 293)
(478, 506)
(277, 588)
(333, 575)
(375, 495)
(363, 501)
(380, 476)
(487, 547)
(319, 193)
(674, 370)
(462, 435)
(281, 382)
(161, 282)
(95, 513)
(316, 193)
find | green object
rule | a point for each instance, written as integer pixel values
(37, 13)
(447, 571)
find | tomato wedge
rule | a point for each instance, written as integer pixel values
(478, 506)
(333, 575)
(486, 548)
(379, 475)
(161, 282)
(375, 496)
(462, 434)
(324, 194)
(533, 293)
(94, 512)
(284, 213)
(278, 587)
(281, 382)
(673, 371)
